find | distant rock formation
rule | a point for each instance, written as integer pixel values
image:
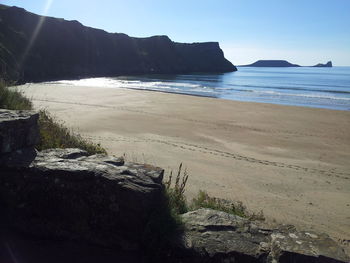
(283, 63)
(327, 65)
(37, 48)
(271, 63)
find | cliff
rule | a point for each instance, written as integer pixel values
(36, 48)
(327, 65)
(271, 63)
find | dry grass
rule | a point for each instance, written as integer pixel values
(203, 200)
(176, 193)
(53, 133)
(12, 99)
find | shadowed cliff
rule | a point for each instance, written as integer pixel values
(60, 49)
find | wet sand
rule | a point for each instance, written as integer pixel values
(291, 162)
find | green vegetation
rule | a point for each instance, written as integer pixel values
(12, 99)
(176, 194)
(179, 205)
(53, 134)
(203, 200)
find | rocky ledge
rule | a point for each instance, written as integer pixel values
(214, 236)
(64, 193)
(100, 202)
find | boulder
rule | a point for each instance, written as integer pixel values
(63, 193)
(215, 236)
(18, 130)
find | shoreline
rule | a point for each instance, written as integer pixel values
(291, 162)
(185, 94)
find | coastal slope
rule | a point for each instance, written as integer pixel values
(38, 48)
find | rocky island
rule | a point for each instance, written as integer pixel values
(271, 63)
(38, 48)
(283, 64)
(327, 65)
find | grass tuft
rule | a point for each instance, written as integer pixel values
(54, 134)
(12, 99)
(203, 200)
(176, 193)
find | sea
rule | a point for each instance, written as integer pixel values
(302, 86)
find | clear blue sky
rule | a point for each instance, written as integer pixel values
(305, 32)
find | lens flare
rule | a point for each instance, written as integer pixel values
(36, 31)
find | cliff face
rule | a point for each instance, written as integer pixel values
(66, 49)
(271, 63)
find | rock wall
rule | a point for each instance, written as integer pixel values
(64, 193)
(214, 236)
(67, 49)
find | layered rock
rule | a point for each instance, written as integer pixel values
(19, 133)
(64, 193)
(215, 236)
(67, 49)
(67, 194)
(18, 130)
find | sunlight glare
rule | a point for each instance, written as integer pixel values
(36, 31)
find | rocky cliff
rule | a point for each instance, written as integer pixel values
(35, 48)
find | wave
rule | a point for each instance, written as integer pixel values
(270, 86)
(287, 88)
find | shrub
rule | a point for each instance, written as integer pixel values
(203, 200)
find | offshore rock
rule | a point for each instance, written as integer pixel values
(63, 193)
(327, 65)
(215, 236)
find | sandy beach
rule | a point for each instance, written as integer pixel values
(291, 162)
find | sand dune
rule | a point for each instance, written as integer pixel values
(291, 162)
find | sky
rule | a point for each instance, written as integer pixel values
(304, 32)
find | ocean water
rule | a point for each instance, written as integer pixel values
(305, 86)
